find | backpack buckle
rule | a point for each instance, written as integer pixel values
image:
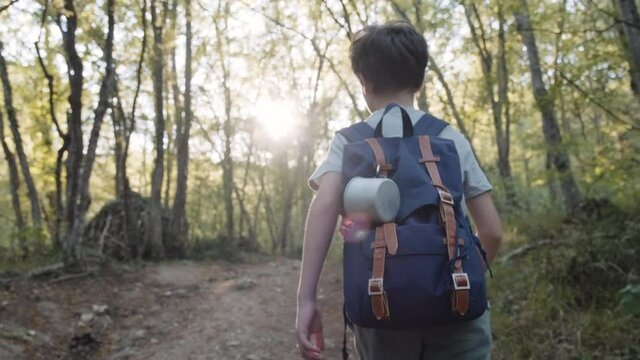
(376, 286)
(463, 280)
(445, 197)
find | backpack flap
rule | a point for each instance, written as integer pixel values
(416, 189)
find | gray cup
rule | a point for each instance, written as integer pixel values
(378, 199)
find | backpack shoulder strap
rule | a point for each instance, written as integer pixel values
(357, 132)
(429, 125)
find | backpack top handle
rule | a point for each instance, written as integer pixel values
(407, 126)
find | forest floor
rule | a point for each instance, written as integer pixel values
(172, 310)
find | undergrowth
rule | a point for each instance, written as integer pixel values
(564, 297)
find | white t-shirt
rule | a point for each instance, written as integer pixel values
(474, 180)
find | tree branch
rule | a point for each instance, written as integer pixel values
(597, 103)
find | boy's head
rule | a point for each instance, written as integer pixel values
(389, 58)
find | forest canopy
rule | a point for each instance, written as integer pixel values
(213, 114)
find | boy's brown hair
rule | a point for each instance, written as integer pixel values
(390, 57)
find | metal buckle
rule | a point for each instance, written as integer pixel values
(445, 197)
(379, 284)
(455, 276)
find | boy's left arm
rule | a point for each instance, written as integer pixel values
(321, 223)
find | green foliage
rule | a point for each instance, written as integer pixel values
(563, 300)
(630, 301)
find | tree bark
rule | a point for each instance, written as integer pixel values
(154, 223)
(60, 153)
(73, 255)
(179, 218)
(631, 26)
(32, 192)
(227, 161)
(504, 147)
(73, 163)
(557, 154)
(498, 102)
(14, 180)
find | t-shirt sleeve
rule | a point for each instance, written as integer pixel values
(333, 162)
(475, 180)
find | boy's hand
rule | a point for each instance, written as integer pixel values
(309, 331)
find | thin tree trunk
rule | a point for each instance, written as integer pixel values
(631, 26)
(227, 161)
(14, 180)
(71, 247)
(497, 105)
(74, 237)
(32, 192)
(154, 223)
(557, 154)
(504, 149)
(60, 154)
(452, 104)
(169, 147)
(179, 218)
(423, 100)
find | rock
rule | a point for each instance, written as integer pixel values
(154, 341)
(87, 317)
(253, 357)
(4, 304)
(31, 333)
(233, 343)
(244, 283)
(139, 334)
(99, 309)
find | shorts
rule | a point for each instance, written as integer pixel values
(466, 341)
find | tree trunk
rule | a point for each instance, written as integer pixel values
(154, 223)
(504, 146)
(452, 104)
(73, 164)
(179, 218)
(59, 207)
(227, 161)
(557, 154)
(631, 25)
(169, 151)
(32, 192)
(73, 254)
(497, 105)
(14, 180)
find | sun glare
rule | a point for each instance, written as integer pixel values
(276, 118)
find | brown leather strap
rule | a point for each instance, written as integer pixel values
(386, 239)
(381, 163)
(379, 301)
(391, 237)
(461, 285)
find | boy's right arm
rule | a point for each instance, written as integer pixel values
(487, 221)
(321, 223)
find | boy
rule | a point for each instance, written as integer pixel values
(390, 62)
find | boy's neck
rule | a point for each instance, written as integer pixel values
(404, 98)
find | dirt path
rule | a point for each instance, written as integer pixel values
(180, 310)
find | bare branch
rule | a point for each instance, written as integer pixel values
(49, 78)
(597, 103)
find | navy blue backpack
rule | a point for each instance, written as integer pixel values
(425, 268)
